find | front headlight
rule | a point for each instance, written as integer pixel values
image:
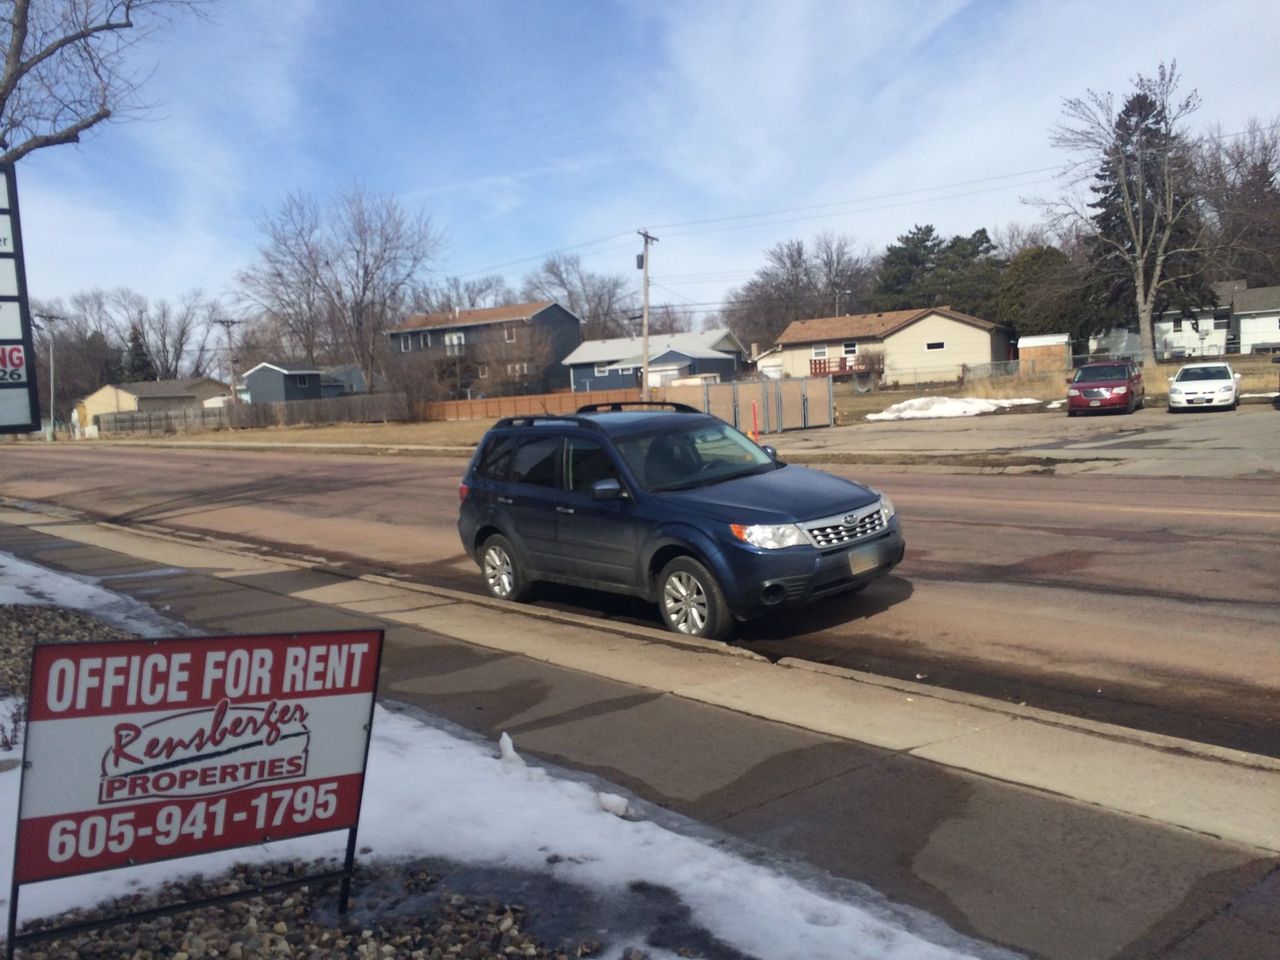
(1227, 389)
(1117, 391)
(769, 536)
(886, 508)
(1073, 392)
(1175, 391)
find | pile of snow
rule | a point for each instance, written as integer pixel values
(924, 408)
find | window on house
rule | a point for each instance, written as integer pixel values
(404, 344)
(455, 343)
(1222, 323)
(626, 371)
(517, 369)
(820, 351)
(509, 333)
(936, 345)
(1177, 326)
(850, 348)
(482, 371)
(301, 380)
(424, 339)
(602, 369)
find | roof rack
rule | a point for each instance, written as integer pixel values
(532, 419)
(618, 406)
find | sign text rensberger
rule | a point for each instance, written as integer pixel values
(145, 750)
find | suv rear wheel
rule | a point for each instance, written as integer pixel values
(691, 601)
(503, 577)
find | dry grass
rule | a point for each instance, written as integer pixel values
(462, 433)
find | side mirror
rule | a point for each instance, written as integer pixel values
(1171, 379)
(1238, 376)
(771, 451)
(1068, 381)
(610, 488)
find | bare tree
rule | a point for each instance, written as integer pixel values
(1143, 224)
(604, 302)
(1241, 180)
(285, 288)
(332, 282)
(671, 318)
(67, 67)
(458, 294)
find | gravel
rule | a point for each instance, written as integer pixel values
(427, 908)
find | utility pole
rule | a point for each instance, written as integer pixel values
(48, 320)
(644, 315)
(226, 323)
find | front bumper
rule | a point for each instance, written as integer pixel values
(1106, 400)
(1194, 401)
(760, 581)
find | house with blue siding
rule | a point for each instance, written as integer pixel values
(513, 349)
(281, 382)
(616, 363)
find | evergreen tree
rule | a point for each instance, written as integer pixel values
(137, 364)
(900, 283)
(1146, 234)
(921, 270)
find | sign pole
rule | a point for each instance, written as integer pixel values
(19, 400)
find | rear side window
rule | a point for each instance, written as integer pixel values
(495, 459)
(534, 461)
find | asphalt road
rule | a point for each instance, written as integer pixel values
(1144, 601)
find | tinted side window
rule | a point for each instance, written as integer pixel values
(495, 459)
(535, 460)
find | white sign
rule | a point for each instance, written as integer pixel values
(146, 750)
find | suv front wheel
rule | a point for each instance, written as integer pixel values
(691, 601)
(503, 577)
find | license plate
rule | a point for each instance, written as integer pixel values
(1095, 403)
(861, 561)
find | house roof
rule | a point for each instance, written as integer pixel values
(289, 368)
(868, 326)
(473, 318)
(166, 388)
(629, 351)
(1258, 300)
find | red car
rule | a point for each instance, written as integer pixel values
(1106, 385)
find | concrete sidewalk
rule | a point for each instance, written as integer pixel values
(1051, 835)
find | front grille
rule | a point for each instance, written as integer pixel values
(837, 531)
(1096, 393)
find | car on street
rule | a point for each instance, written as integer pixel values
(1107, 385)
(1210, 385)
(664, 502)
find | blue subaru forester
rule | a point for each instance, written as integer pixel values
(666, 503)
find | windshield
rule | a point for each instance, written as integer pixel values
(704, 453)
(1115, 371)
(1203, 373)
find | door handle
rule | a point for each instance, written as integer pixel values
(564, 509)
(504, 500)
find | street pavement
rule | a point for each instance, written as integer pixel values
(1056, 837)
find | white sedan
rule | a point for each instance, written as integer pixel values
(1204, 385)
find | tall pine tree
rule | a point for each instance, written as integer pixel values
(137, 364)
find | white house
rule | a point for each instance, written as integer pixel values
(915, 346)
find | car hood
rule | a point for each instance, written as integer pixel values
(787, 494)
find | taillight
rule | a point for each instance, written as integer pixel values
(462, 492)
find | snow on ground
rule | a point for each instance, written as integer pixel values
(433, 790)
(921, 408)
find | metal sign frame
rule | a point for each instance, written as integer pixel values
(139, 751)
(17, 349)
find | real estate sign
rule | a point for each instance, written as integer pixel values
(145, 750)
(19, 407)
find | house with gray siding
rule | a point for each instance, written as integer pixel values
(616, 363)
(279, 382)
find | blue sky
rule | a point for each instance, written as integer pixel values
(524, 128)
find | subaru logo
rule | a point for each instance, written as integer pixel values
(850, 519)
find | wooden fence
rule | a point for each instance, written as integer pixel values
(768, 406)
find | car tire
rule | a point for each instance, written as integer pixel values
(504, 577)
(1070, 412)
(691, 602)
